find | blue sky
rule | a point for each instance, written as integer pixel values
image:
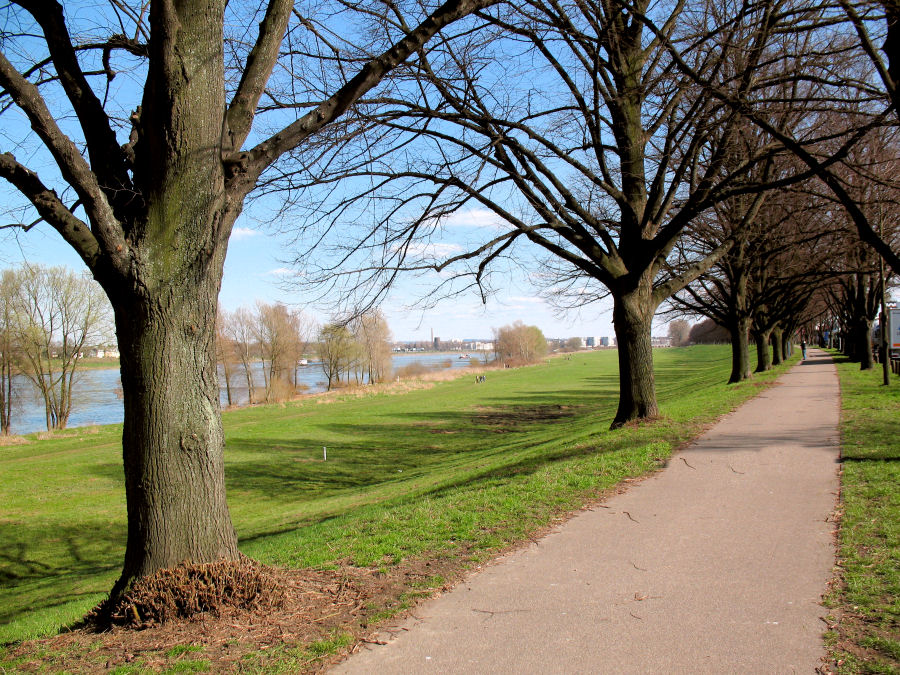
(255, 269)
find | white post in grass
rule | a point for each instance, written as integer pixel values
(324, 454)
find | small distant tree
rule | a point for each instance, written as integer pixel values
(8, 349)
(281, 338)
(225, 354)
(573, 344)
(57, 313)
(679, 332)
(373, 336)
(520, 343)
(336, 350)
(239, 328)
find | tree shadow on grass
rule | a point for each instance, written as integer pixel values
(44, 566)
(374, 454)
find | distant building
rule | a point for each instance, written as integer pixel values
(590, 341)
(604, 342)
(661, 341)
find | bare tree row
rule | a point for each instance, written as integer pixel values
(596, 133)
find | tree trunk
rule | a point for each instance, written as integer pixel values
(632, 318)
(777, 354)
(862, 343)
(226, 373)
(172, 440)
(740, 351)
(763, 356)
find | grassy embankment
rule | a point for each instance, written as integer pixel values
(866, 599)
(435, 471)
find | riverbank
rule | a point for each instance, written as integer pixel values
(97, 392)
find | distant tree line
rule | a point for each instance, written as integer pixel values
(267, 342)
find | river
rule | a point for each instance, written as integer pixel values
(97, 392)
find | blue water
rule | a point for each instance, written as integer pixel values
(97, 394)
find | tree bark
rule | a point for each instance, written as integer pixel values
(172, 440)
(777, 353)
(632, 319)
(861, 336)
(763, 355)
(740, 351)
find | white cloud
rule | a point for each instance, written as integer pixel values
(283, 272)
(533, 299)
(433, 250)
(243, 233)
(481, 218)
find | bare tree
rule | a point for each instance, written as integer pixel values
(518, 343)
(151, 179)
(679, 332)
(8, 348)
(846, 94)
(601, 155)
(281, 336)
(240, 328)
(57, 314)
(373, 335)
(225, 354)
(337, 351)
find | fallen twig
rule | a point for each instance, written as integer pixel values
(630, 517)
(686, 462)
(373, 642)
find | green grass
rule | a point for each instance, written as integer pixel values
(454, 468)
(868, 639)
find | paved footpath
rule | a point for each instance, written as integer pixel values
(716, 564)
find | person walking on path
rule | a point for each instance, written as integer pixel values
(803, 349)
(715, 564)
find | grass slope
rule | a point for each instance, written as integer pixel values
(456, 467)
(866, 639)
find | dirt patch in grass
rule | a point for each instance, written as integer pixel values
(513, 417)
(859, 645)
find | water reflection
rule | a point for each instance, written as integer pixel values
(97, 393)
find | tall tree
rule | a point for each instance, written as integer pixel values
(570, 123)
(149, 207)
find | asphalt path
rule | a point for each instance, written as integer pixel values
(716, 564)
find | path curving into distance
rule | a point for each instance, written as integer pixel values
(716, 564)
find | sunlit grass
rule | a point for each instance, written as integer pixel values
(868, 640)
(455, 467)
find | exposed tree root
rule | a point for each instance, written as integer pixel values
(187, 590)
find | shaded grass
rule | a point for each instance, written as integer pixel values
(456, 468)
(867, 597)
